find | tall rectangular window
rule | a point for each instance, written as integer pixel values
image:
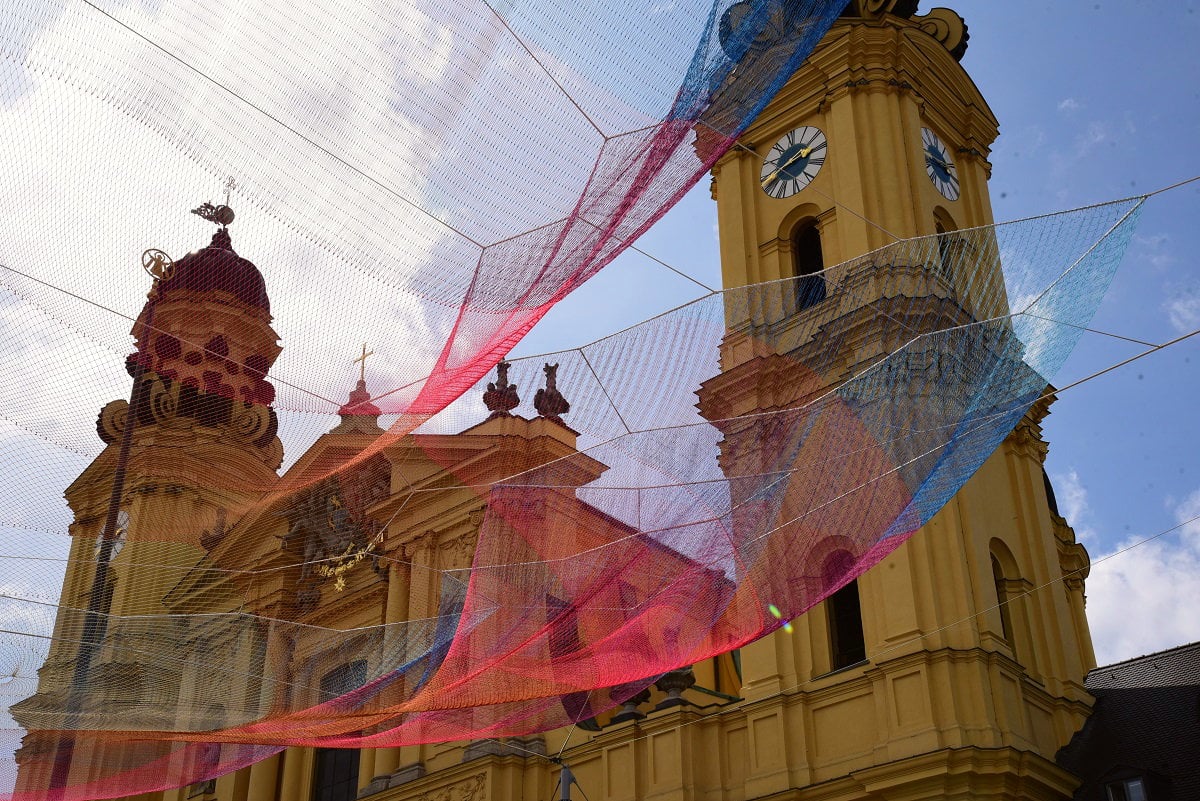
(335, 775)
(847, 645)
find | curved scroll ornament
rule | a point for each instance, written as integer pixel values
(111, 421)
(251, 421)
(164, 401)
(874, 9)
(948, 28)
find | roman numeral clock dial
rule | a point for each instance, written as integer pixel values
(939, 166)
(793, 162)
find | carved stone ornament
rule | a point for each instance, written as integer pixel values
(111, 422)
(948, 28)
(548, 401)
(457, 553)
(874, 9)
(501, 397)
(469, 789)
(629, 707)
(322, 528)
(164, 403)
(329, 525)
(673, 684)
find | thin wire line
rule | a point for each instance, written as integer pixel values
(604, 389)
(282, 124)
(545, 69)
(1175, 185)
(782, 474)
(675, 270)
(1061, 276)
(629, 245)
(883, 475)
(1089, 330)
(928, 452)
(586, 705)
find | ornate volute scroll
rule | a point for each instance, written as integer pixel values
(111, 421)
(874, 9)
(948, 28)
(944, 25)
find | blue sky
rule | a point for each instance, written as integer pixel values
(1096, 101)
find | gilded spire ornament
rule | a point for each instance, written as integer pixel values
(221, 215)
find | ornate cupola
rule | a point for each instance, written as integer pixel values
(204, 347)
(212, 322)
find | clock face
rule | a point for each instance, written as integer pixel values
(118, 542)
(939, 166)
(793, 162)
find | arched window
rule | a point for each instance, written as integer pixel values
(808, 262)
(847, 646)
(1001, 585)
(952, 249)
(1015, 605)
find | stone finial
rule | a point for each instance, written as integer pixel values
(501, 397)
(548, 401)
(629, 703)
(673, 683)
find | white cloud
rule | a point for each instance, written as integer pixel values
(1140, 600)
(1069, 104)
(1097, 133)
(1183, 312)
(1154, 248)
(1073, 503)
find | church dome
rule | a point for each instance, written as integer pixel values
(217, 268)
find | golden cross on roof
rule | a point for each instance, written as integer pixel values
(362, 360)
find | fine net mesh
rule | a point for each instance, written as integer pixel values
(444, 555)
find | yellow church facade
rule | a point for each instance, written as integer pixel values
(952, 669)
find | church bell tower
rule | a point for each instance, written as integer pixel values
(881, 135)
(953, 668)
